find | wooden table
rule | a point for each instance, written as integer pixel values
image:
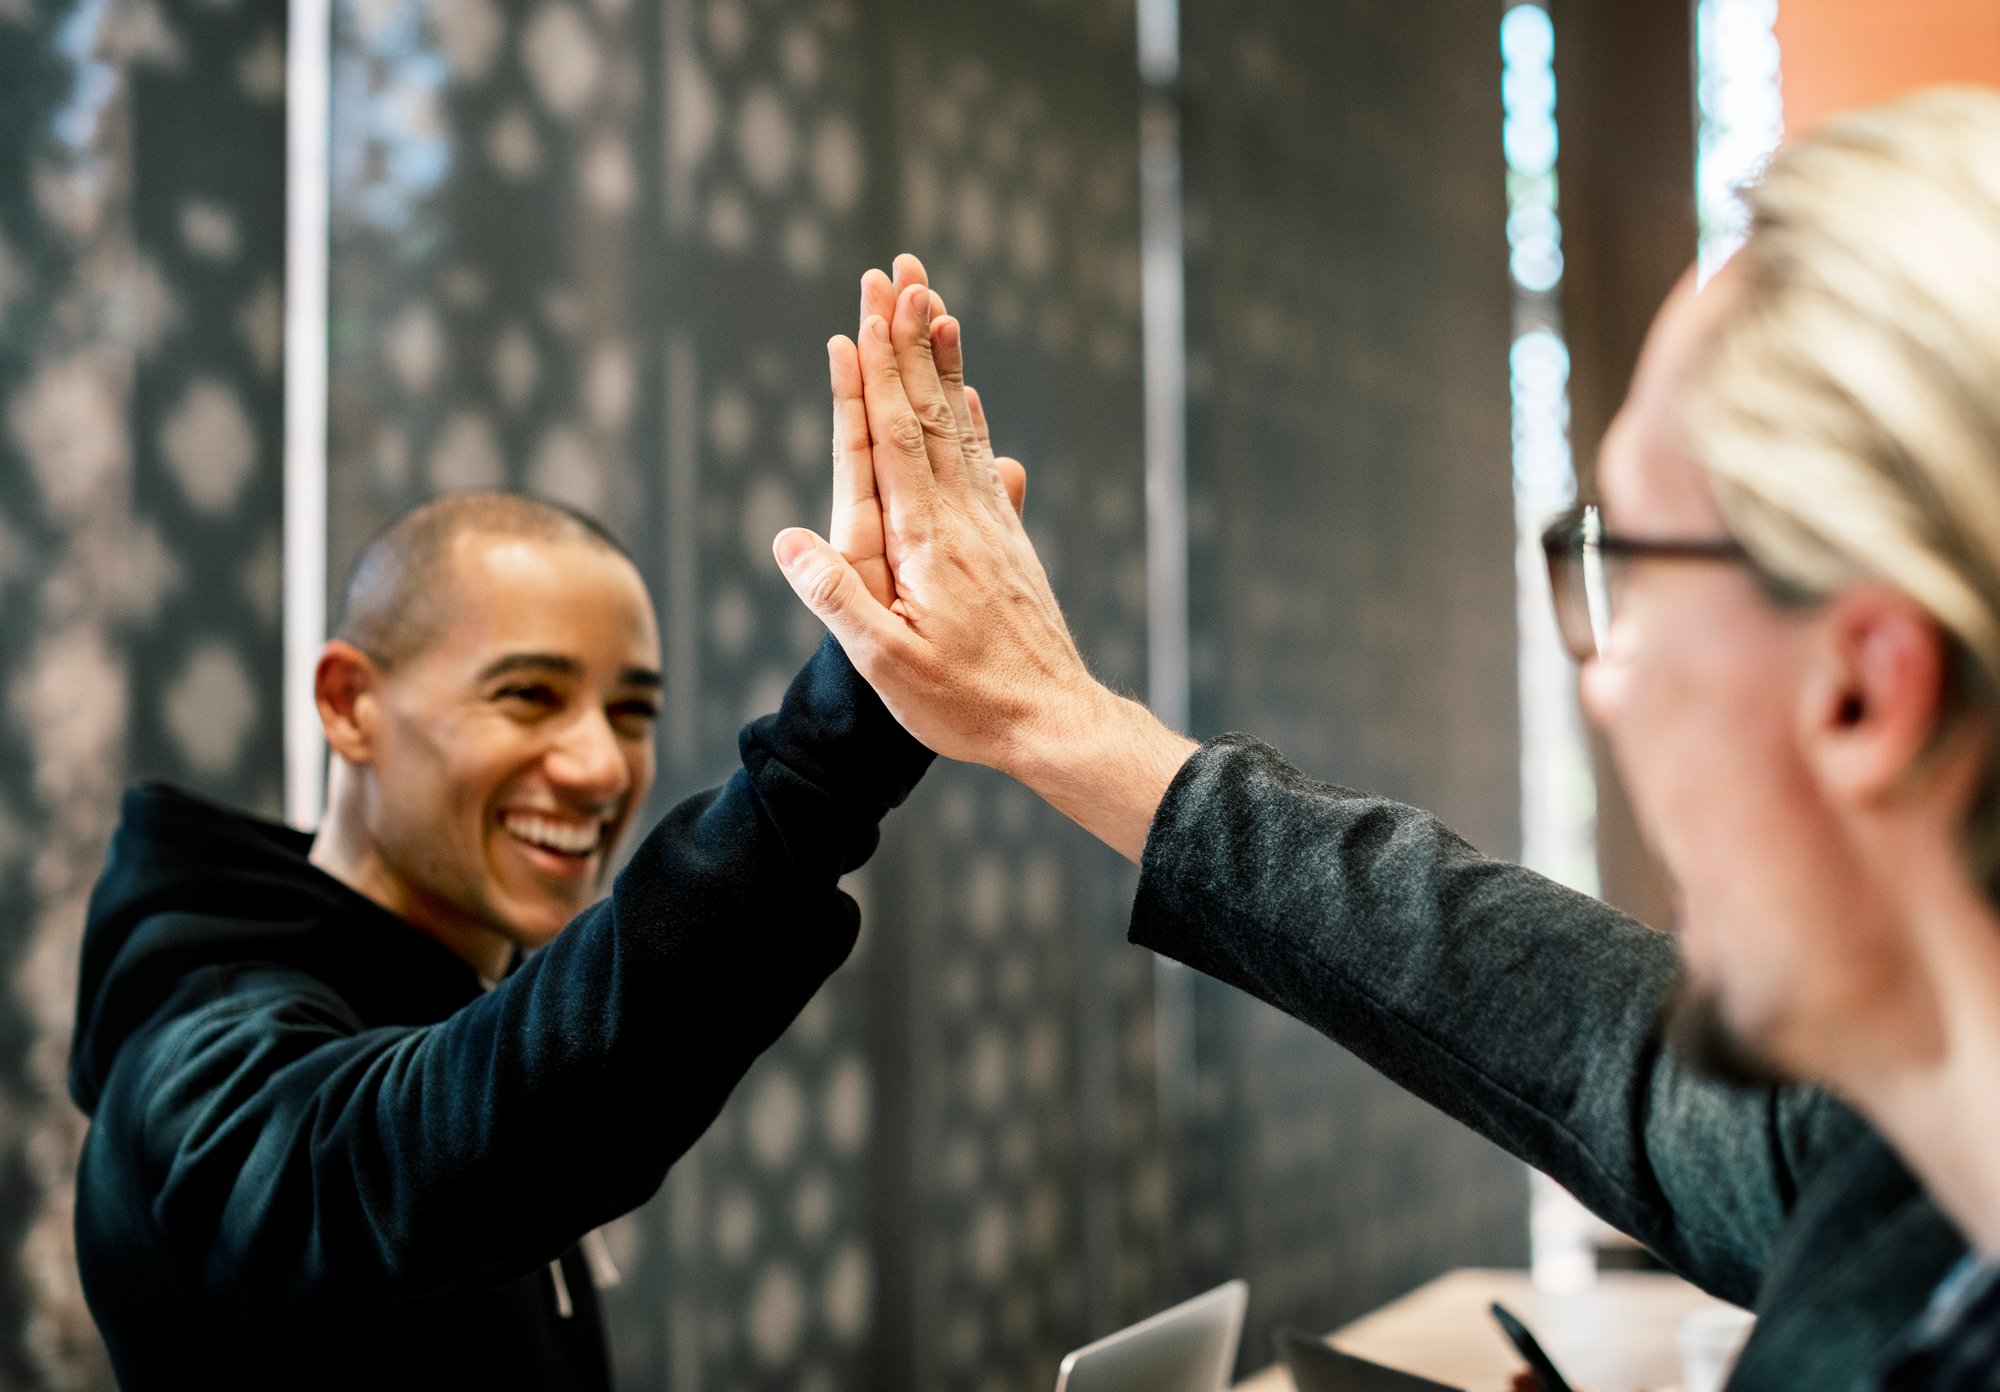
(1614, 1337)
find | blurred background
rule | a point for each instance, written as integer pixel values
(1299, 312)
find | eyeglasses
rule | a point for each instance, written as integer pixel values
(1585, 566)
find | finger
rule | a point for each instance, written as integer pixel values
(909, 271)
(821, 577)
(910, 334)
(978, 409)
(903, 476)
(856, 531)
(947, 339)
(878, 297)
(1013, 478)
(948, 351)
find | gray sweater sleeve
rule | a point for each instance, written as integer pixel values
(1527, 1011)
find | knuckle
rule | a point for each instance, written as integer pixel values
(938, 419)
(906, 431)
(823, 588)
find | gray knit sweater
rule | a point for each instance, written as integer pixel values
(1532, 1014)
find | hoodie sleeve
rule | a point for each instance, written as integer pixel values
(289, 1154)
(1528, 1012)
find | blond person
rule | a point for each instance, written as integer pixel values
(1786, 602)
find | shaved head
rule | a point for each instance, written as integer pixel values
(398, 594)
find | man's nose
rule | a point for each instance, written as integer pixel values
(588, 759)
(1599, 691)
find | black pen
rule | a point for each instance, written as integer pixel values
(1539, 1365)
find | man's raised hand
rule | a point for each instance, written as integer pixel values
(964, 642)
(857, 530)
(971, 653)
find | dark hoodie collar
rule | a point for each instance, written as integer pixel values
(190, 883)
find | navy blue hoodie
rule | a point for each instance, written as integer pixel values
(321, 1156)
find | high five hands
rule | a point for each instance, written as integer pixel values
(935, 592)
(857, 531)
(954, 624)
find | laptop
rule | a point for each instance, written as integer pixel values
(1318, 1368)
(1190, 1348)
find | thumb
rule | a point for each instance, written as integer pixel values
(821, 577)
(1013, 478)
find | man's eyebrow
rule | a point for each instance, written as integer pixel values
(541, 662)
(647, 677)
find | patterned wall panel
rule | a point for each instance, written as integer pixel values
(769, 206)
(65, 495)
(140, 249)
(1039, 1174)
(591, 248)
(1352, 573)
(591, 251)
(207, 294)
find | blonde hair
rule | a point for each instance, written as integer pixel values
(1847, 410)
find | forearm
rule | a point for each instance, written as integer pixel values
(1525, 1010)
(1103, 761)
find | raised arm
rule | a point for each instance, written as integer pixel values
(289, 1152)
(1528, 1012)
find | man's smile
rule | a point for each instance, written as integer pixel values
(571, 841)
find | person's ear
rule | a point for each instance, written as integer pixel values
(1876, 693)
(347, 687)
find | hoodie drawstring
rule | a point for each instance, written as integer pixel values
(564, 1309)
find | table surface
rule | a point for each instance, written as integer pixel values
(1615, 1336)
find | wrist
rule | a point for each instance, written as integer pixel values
(1103, 761)
(1048, 743)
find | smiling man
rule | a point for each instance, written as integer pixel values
(343, 1135)
(490, 695)
(1787, 604)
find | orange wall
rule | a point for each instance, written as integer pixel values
(1842, 53)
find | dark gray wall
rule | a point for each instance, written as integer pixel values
(1352, 577)
(592, 249)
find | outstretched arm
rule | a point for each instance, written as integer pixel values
(1523, 1010)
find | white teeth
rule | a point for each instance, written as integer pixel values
(551, 833)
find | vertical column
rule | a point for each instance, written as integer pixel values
(308, 74)
(1627, 172)
(1163, 278)
(1558, 786)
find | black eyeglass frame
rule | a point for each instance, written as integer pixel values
(1575, 546)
